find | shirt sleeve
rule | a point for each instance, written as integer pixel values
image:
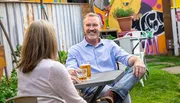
(61, 83)
(71, 61)
(120, 54)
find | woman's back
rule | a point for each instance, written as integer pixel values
(49, 77)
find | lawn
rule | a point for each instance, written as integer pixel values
(161, 87)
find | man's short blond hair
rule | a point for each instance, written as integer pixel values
(92, 15)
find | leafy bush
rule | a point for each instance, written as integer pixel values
(18, 50)
(8, 88)
(62, 56)
(17, 53)
(120, 12)
(110, 37)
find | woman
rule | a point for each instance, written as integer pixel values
(40, 73)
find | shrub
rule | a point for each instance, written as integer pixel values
(8, 88)
(120, 12)
(110, 37)
(62, 56)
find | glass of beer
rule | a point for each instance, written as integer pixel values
(86, 65)
(81, 74)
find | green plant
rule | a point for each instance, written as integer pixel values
(120, 12)
(62, 56)
(107, 23)
(110, 37)
(17, 53)
(8, 88)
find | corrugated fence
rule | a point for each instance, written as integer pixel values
(16, 17)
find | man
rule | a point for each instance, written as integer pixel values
(103, 55)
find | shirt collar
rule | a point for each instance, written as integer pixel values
(85, 43)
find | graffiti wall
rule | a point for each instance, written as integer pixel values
(148, 17)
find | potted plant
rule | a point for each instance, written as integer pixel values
(124, 18)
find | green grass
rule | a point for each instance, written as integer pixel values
(161, 87)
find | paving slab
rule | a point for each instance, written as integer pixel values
(173, 70)
(148, 60)
(171, 64)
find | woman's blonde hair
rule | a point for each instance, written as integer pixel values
(39, 43)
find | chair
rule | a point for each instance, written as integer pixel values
(132, 42)
(32, 99)
(138, 48)
(139, 37)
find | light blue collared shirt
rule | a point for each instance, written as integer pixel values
(102, 57)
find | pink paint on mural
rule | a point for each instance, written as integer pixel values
(101, 18)
(178, 15)
(152, 46)
(158, 6)
(152, 3)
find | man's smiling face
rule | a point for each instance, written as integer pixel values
(92, 28)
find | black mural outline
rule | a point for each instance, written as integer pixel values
(151, 21)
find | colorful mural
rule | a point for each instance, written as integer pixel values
(148, 17)
(175, 3)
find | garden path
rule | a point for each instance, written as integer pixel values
(173, 70)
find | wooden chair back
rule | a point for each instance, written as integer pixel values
(32, 99)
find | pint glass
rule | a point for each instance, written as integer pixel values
(86, 65)
(81, 74)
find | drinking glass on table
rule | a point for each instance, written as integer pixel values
(81, 74)
(86, 65)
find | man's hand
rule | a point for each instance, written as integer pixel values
(139, 68)
(74, 78)
(72, 72)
